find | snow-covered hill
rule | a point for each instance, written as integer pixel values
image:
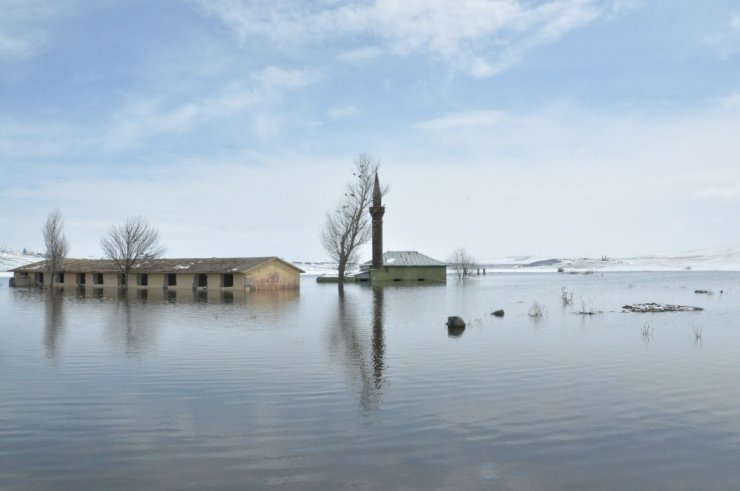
(14, 259)
(707, 260)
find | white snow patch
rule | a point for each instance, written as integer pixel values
(13, 259)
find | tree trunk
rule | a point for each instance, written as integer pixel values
(340, 276)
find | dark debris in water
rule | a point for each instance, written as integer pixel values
(659, 307)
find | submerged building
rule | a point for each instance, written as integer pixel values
(404, 266)
(396, 266)
(242, 273)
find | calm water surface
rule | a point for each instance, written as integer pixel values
(307, 391)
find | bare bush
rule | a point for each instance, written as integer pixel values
(462, 263)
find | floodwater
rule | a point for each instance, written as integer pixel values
(308, 391)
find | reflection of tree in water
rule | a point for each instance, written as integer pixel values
(363, 358)
(54, 328)
(132, 322)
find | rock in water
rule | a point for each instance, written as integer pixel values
(498, 313)
(456, 322)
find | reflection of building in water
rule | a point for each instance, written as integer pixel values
(360, 346)
(183, 296)
(229, 274)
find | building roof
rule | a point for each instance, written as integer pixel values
(405, 258)
(182, 265)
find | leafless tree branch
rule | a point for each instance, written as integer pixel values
(130, 243)
(347, 226)
(462, 263)
(56, 244)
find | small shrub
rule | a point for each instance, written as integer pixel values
(647, 332)
(588, 310)
(698, 332)
(537, 310)
(566, 296)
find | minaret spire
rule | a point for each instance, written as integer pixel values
(377, 211)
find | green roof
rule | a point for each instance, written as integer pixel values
(405, 258)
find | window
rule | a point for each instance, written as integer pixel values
(171, 279)
(202, 280)
(228, 280)
(142, 279)
(80, 278)
(97, 278)
(60, 277)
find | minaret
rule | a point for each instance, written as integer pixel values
(377, 211)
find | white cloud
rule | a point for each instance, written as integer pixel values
(731, 101)
(147, 118)
(721, 193)
(553, 181)
(462, 120)
(620, 7)
(272, 78)
(24, 26)
(480, 37)
(725, 40)
(735, 20)
(266, 125)
(343, 112)
(360, 55)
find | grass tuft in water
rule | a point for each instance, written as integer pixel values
(537, 310)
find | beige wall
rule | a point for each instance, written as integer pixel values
(154, 280)
(185, 280)
(24, 279)
(70, 280)
(274, 275)
(110, 279)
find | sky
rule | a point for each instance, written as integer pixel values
(552, 128)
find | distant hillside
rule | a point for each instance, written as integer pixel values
(14, 259)
(705, 260)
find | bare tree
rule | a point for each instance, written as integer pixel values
(347, 226)
(462, 263)
(130, 243)
(56, 244)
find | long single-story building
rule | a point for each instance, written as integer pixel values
(404, 266)
(242, 273)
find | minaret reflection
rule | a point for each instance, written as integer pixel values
(378, 337)
(359, 343)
